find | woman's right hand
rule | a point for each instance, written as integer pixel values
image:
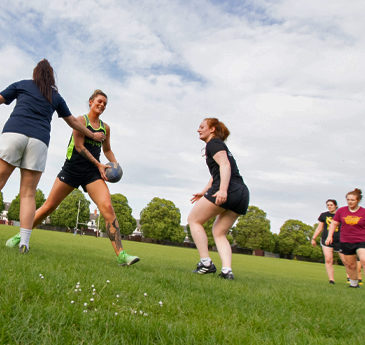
(102, 168)
(313, 242)
(196, 197)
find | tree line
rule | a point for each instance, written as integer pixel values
(161, 220)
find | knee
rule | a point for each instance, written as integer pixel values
(351, 266)
(329, 261)
(108, 212)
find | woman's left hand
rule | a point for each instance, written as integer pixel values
(220, 197)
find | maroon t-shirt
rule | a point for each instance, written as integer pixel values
(352, 224)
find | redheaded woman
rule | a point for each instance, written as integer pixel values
(224, 197)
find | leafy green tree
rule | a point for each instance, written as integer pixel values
(253, 230)
(39, 198)
(2, 205)
(160, 219)
(66, 213)
(14, 209)
(294, 234)
(127, 223)
(208, 227)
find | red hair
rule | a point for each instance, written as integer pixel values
(357, 192)
(220, 130)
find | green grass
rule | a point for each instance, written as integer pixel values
(272, 301)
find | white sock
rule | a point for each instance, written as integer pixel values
(225, 270)
(354, 282)
(206, 261)
(24, 237)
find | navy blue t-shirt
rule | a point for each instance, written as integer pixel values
(32, 114)
(213, 146)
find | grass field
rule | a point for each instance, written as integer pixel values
(272, 301)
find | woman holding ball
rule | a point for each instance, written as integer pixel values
(83, 168)
(224, 197)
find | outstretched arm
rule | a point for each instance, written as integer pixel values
(74, 123)
(197, 196)
(2, 99)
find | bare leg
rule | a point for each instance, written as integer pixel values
(221, 227)
(361, 263)
(28, 185)
(99, 193)
(5, 171)
(58, 192)
(328, 256)
(202, 211)
(351, 264)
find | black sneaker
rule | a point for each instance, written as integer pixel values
(201, 269)
(355, 287)
(332, 282)
(23, 249)
(229, 275)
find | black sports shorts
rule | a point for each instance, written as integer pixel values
(237, 200)
(76, 179)
(335, 245)
(351, 248)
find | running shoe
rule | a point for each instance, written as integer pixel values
(14, 241)
(332, 282)
(228, 275)
(125, 259)
(360, 282)
(355, 287)
(201, 269)
(23, 249)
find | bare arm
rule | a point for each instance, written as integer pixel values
(74, 123)
(316, 233)
(225, 173)
(197, 196)
(331, 230)
(109, 154)
(2, 99)
(79, 139)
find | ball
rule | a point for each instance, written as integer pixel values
(114, 173)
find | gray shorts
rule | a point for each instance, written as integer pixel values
(23, 152)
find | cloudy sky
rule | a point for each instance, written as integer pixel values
(286, 77)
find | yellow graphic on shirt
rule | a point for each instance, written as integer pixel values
(328, 222)
(351, 220)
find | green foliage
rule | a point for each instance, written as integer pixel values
(253, 230)
(39, 198)
(293, 235)
(160, 219)
(66, 213)
(2, 205)
(14, 209)
(127, 223)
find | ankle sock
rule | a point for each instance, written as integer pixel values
(354, 282)
(225, 270)
(206, 261)
(24, 237)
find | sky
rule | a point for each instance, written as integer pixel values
(286, 77)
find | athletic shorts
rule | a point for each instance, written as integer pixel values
(335, 245)
(237, 200)
(76, 179)
(351, 248)
(23, 152)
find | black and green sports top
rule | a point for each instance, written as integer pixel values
(74, 159)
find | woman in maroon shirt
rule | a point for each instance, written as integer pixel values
(352, 238)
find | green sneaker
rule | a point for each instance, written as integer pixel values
(14, 241)
(126, 259)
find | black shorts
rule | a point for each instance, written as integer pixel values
(351, 248)
(76, 179)
(335, 245)
(237, 200)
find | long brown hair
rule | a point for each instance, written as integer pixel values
(220, 130)
(43, 77)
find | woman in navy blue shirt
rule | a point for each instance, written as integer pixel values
(224, 197)
(25, 137)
